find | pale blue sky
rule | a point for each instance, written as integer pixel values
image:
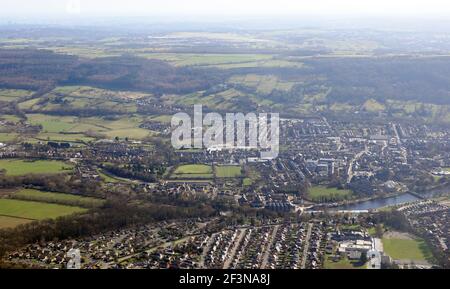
(225, 7)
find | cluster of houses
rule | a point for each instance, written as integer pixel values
(431, 220)
(103, 250)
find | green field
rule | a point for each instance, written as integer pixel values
(21, 167)
(107, 178)
(68, 128)
(324, 194)
(58, 198)
(187, 59)
(343, 263)
(10, 118)
(228, 171)
(262, 83)
(247, 182)
(63, 137)
(11, 222)
(194, 169)
(35, 210)
(407, 249)
(8, 137)
(12, 94)
(193, 172)
(52, 124)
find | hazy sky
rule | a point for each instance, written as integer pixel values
(223, 7)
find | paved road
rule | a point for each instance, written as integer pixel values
(306, 247)
(350, 166)
(205, 251)
(397, 136)
(230, 258)
(265, 259)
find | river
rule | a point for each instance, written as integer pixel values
(378, 203)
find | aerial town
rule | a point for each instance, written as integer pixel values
(106, 161)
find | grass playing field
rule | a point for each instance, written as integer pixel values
(35, 210)
(193, 172)
(21, 167)
(194, 169)
(58, 198)
(228, 171)
(324, 194)
(406, 249)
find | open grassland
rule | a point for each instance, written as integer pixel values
(188, 59)
(29, 104)
(342, 263)
(84, 97)
(21, 167)
(193, 172)
(406, 249)
(83, 51)
(64, 137)
(11, 222)
(262, 83)
(52, 124)
(98, 93)
(9, 95)
(8, 137)
(35, 210)
(162, 118)
(10, 118)
(228, 171)
(322, 193)
(269, 63)
(58, 198)
(108, 178)
(73, 129)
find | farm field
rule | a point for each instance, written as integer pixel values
(228, 171)
(35, 210)
(8, 137)
(11, 222)
(10, 118)
(262, 83)
(58, 198)
(21, 167)
(63, 137)
(68, 128)
(9, 95)
(52, 124)
(187, 59)
(322, 193)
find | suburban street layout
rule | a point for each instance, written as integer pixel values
(262, 136)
